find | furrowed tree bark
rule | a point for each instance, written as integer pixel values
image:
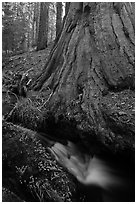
(92, 61)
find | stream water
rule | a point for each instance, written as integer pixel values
(101, 178)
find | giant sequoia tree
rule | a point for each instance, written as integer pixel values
(90, 72)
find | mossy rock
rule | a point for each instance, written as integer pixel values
(29, 169)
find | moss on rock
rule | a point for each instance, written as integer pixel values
(29, 169)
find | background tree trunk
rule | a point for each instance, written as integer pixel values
(90, 67)
(67, 4)
(43, 27)
(58, 17)
(35, 16)
(37, 20)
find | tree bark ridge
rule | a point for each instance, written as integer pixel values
(93, 56)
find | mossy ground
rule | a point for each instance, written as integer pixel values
(29, 169)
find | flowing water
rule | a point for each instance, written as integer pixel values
(101, 179)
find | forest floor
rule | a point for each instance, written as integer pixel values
(21, 63)
(30, 113)
(35, 61)
(14, 188)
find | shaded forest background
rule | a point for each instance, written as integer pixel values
(28, 26)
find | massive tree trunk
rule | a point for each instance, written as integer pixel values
(43, 27)
(90, 71)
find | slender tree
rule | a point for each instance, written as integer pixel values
(36, 18)
(58, 17)
(43, 26)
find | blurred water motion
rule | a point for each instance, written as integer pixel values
(101, 180)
